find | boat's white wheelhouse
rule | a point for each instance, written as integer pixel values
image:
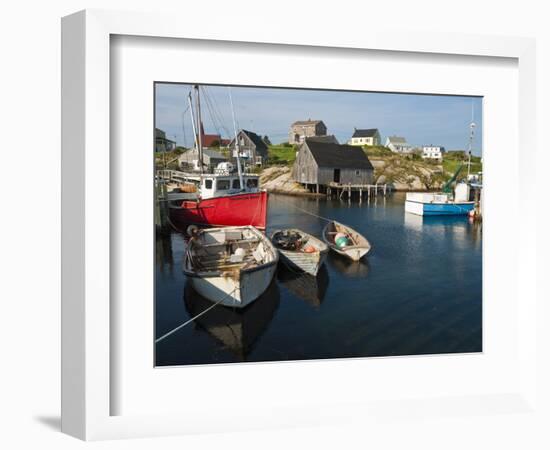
(219, 185)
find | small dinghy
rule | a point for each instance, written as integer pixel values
(300, 250)
(345, 241)
(232, 266)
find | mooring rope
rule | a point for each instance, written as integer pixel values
(179, 327)
(307, 212)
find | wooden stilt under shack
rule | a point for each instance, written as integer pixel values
(348, 191)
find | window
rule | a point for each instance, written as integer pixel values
(357, 172)
(222, 185)
(208, 183)
(252, 183)
(236, 183)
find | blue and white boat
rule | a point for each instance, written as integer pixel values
(445, 203)
(436, 204)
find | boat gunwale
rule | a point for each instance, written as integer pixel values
(343, 250)
(320, 241)
(217, 274)
(442, 203)
(220, 273)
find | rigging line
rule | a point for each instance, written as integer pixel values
(213, 113)
(183, 120)
(307, 212)
(183, 126)
(221, 117)
(193, 318)
(208, 106)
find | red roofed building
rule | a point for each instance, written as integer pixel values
(212, 140)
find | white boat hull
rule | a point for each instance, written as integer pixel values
(353, 253)
(235, 291)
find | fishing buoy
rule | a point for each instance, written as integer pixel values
(240, 252)
(341, 241)
(472, 213)
(339, 235)
(309, 249)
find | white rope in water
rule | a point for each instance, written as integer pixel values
(307, 212)
(193, 318)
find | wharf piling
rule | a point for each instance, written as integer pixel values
(161, 208)
(349, 191)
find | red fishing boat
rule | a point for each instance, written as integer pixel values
(226, 197)
(219, 201)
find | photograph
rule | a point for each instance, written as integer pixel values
(298, 224)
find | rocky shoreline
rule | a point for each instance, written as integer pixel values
(278, 180)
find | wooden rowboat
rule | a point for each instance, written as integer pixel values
(356, 247)
(300, 250)
(232, 266)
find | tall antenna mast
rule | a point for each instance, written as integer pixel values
(199, 126)
(472, 129)
(236, 140)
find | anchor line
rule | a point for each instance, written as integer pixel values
(179, 327)
(307, 212)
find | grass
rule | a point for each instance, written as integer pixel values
(281, 154)
(432, 174)
(377, 150)
(451, 163)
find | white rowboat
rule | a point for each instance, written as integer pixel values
(357, 246)
(232, 266)
(300, 250)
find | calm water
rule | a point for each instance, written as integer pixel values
(418, 292)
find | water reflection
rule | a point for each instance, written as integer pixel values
(424, 292)
(456, 227)
(236, 329)
(305, 286)
(348, 268)
(163, 253)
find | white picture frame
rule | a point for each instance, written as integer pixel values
(87, 386)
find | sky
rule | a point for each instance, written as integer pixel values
(421, 119)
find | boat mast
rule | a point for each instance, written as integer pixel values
(193, 120)
(236, 140)
(199, 125)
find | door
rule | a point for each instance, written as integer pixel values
(336, 177)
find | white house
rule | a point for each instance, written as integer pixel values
(398, 144)
(370, 136)
(433, 152)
